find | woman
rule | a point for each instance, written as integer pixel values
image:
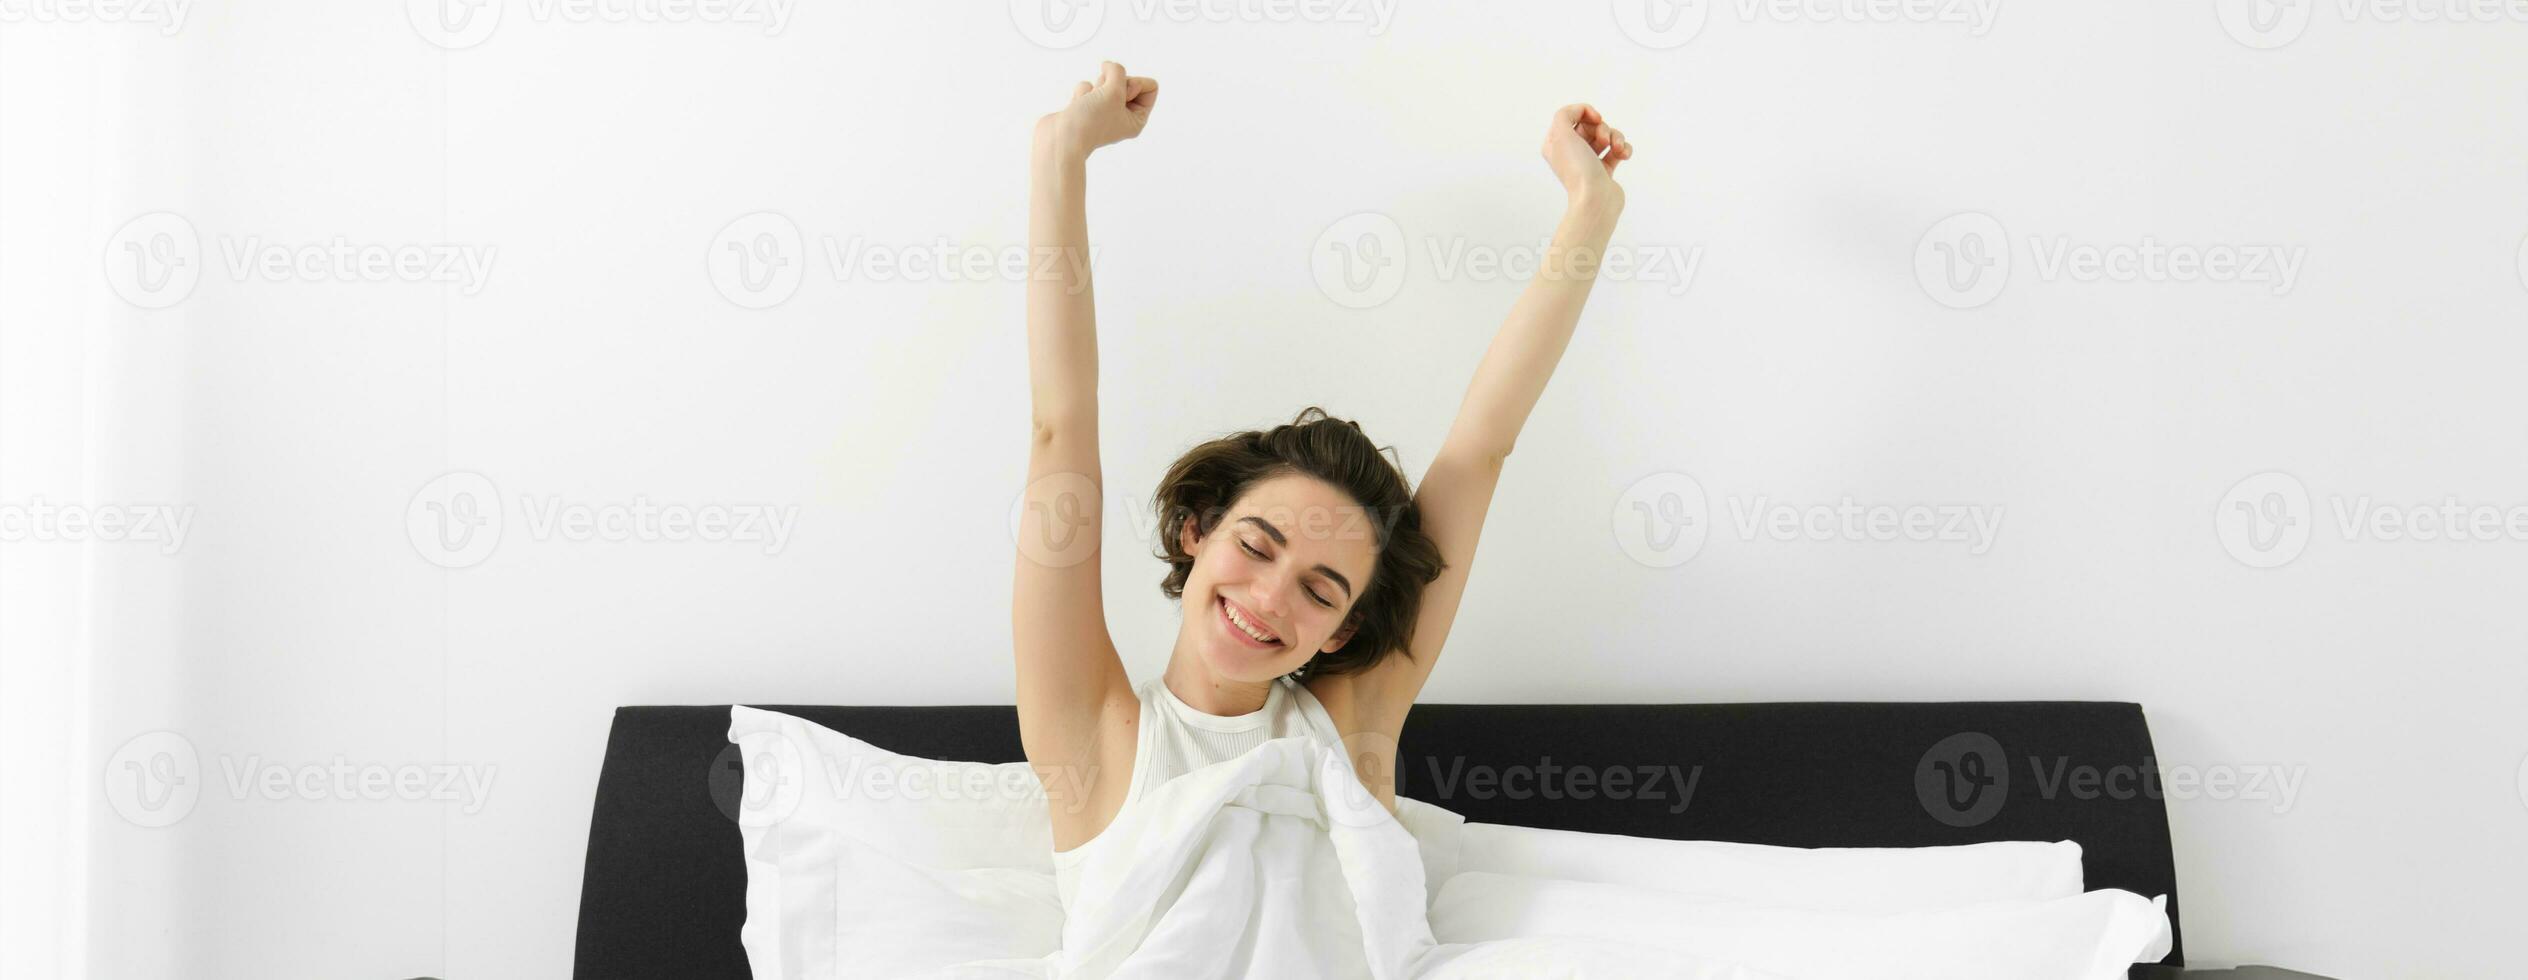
(1317, 588)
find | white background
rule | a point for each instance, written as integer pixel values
(1804, 157)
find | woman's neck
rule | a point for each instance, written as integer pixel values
(1211, 694)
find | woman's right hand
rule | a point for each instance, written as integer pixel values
(1109, 110)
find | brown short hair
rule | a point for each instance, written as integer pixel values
(1202, 485)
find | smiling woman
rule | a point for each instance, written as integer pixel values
(1317, 585)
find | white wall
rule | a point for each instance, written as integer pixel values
(1801, 160)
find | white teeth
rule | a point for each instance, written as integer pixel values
(1259, 636)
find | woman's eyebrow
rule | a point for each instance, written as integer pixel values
(1276, 534)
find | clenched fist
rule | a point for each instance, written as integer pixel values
(1110, 110)
(1583, 151)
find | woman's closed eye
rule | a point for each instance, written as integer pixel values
(1260, 556)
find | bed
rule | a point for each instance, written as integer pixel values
(662, 892)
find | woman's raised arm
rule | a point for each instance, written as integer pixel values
(1457, 490)
(1069, 676)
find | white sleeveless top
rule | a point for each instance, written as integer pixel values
(1176, 738)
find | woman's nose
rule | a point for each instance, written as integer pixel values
(1268, 593)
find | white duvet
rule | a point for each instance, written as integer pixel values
(1278, 864)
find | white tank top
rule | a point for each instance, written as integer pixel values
(1176, 738)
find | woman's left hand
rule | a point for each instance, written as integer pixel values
(1583, 150)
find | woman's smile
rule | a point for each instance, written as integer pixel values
(1231, 613)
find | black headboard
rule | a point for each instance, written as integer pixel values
(663, 893)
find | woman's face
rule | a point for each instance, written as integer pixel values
(1289, 558)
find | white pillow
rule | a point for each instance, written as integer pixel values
(842, 839)
(2096, 935)
(1852, 879)
(1438, 833)
(968, 915)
